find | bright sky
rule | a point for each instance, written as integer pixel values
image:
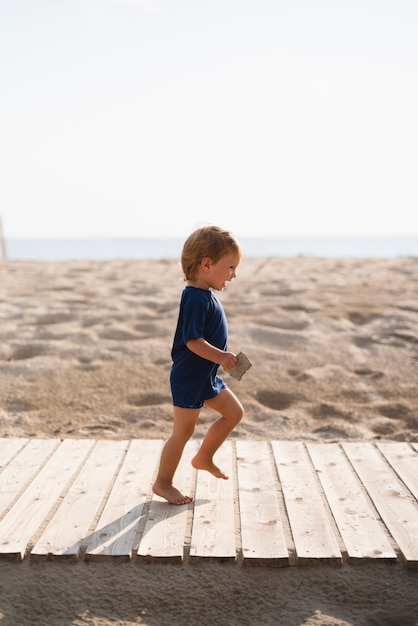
(148, 117)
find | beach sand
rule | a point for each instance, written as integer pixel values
(85, 352)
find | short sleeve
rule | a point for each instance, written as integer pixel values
(194, 318)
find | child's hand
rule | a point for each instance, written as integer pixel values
(229, 360)
(242, 366)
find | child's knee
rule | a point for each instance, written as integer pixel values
(185, 432)
(238, 413)
(241, 414)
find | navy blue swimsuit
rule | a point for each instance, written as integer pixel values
(194, 379)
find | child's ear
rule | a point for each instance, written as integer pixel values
(206, 263)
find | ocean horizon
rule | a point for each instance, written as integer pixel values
(101, 249)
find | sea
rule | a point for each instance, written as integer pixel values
(101, 249)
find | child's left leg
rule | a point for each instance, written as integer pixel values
(231, 413)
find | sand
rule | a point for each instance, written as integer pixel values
(85, 352)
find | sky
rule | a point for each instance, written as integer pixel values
(137, 118)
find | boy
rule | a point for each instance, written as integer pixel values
(209, 260)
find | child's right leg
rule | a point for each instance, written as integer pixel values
(183, 428)
(231, 413)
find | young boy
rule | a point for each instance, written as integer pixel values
(209, 261)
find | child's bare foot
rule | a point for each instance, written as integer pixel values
(171, 494)
(209, 466)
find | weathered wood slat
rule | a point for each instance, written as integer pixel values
(116, 529)
(164, 534)
(63, 535)
(311, 528)
(213, 532)
(361, 532)
(404, 461)
(389, 496)
(64, 532)
(262, 534)
(26, 516)
(9, 448)
(22, 468)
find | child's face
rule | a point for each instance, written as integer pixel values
(223, 271)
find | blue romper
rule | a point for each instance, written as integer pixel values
(194, 379)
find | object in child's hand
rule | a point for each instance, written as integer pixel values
(242, 366)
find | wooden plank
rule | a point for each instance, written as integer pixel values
(213, 531)
(9, 448)
(18, 473)
(164, 535)
(116, 529)
(27, 514)
(404, 461)
(262, 534)
(310, 524)
(63, 535)
(361, 532)
(395, 505)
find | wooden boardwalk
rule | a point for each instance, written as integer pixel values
(286, 503)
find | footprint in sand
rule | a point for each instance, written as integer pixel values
(298, 307)
(411, 422)
(276, 400)
(148, 399)
(286, 323)
(383, 426)
(118, 334)
(20, 405)
(152, 329)
(276, 338)
(53, 318)
(331, 431)
(359, 319)
(323, 411)
(393, 411)
(29, 351)
(91, 320)
(365, 371)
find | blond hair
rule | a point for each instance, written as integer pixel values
(207, 241)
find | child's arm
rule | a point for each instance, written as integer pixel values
(205, 350)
